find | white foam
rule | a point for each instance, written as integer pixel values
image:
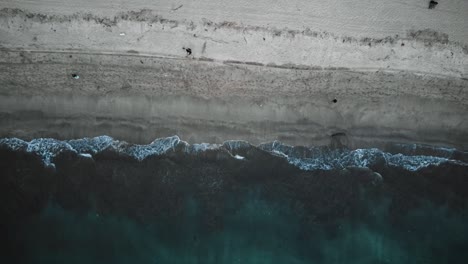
(239, 157)
(313, 158)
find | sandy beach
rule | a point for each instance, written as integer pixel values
(210, 72)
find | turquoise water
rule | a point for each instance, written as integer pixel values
(258, 232)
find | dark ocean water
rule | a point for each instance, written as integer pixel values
(99, 200)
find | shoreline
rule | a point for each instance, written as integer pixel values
(300, 84)
(205, 101)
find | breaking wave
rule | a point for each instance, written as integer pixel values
(410, 157)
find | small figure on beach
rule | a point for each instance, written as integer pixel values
(188, 50)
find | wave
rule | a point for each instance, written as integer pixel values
(405, 156)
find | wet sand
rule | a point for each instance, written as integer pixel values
(212, 102)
